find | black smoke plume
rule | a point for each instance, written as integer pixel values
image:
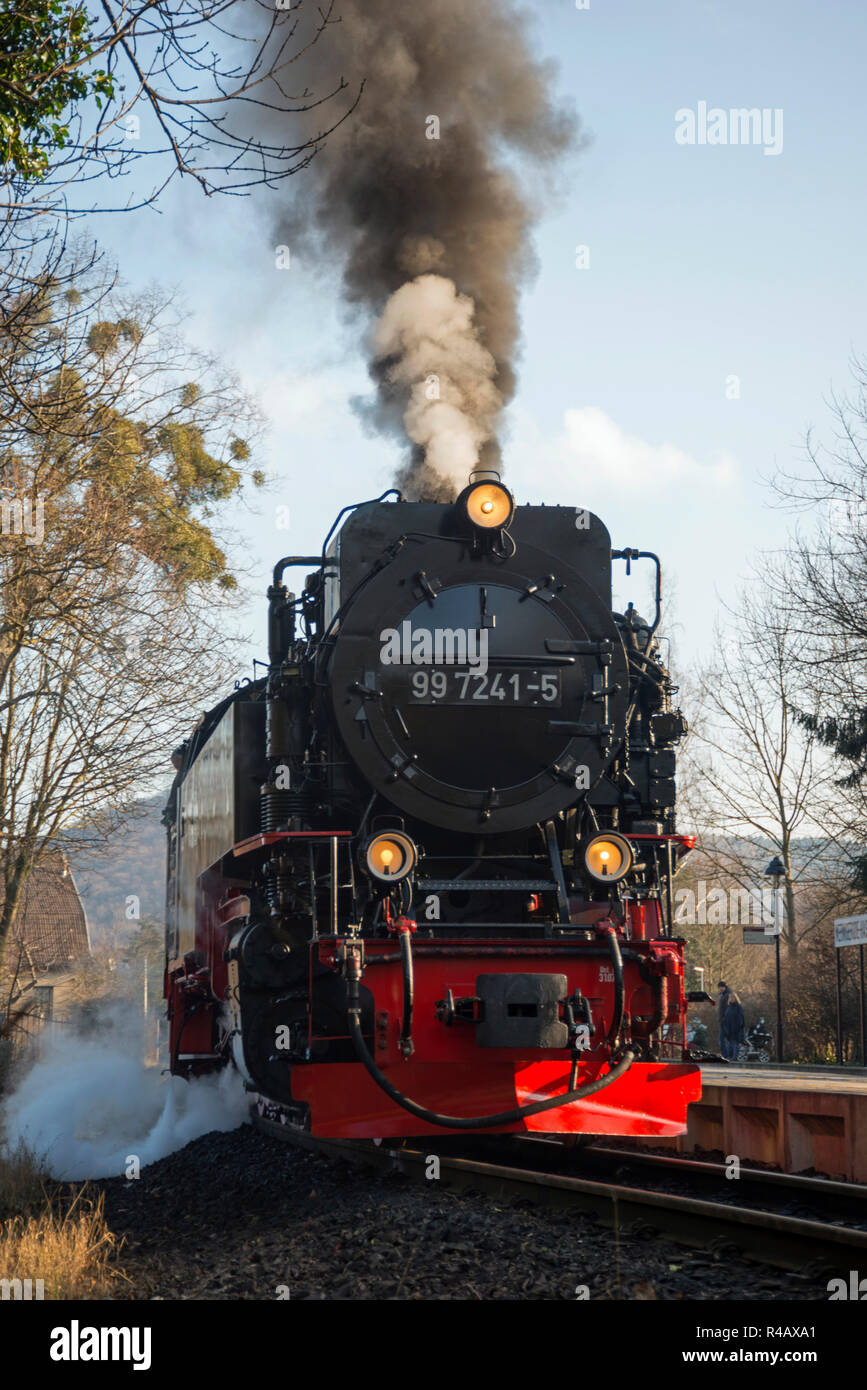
(427, 195)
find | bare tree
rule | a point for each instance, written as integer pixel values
(761, 782)
(17, 994)
(821, 584)
(828, 566)
(119, 447)
(87, 94)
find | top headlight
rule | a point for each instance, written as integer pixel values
(489, 505)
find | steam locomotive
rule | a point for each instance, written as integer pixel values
(420, 874)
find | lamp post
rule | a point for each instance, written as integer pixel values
(863, 1016)
(839, 989)
(775, 870)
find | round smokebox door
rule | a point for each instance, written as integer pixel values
(470, 711)
(481, 704)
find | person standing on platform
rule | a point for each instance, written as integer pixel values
(721, 1003)
(734, 1027)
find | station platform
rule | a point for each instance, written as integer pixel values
(797, 1118)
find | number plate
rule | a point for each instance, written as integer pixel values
(456, 686)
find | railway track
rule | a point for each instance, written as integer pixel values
(636, 1209)
(787, 1185)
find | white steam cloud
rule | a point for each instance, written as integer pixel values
(88, 1104)
(427, 342)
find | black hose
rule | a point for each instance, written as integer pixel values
(187, 1015)
(406, 1043)
(660, 1004)
(617, 967)
(506, 1117)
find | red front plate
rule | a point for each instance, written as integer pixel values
(450, 1075)
(650, 1099)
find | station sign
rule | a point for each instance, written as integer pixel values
(850, 931)
(754, 936)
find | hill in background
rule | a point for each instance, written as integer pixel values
(131, 866)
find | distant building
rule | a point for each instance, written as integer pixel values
(49, 939)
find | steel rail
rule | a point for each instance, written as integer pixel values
(772, 1177)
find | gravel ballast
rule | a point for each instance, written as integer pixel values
(244, 1215)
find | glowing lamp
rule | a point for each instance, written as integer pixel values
(489, 505)
(608, 858)
(389, 857)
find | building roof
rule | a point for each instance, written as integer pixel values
(50, 920)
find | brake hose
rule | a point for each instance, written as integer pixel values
(505, 1117)
(617, 967)
(406, 1043)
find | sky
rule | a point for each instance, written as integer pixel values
(667, 368)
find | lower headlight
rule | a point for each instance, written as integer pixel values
(608, 857)
(389, 857)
